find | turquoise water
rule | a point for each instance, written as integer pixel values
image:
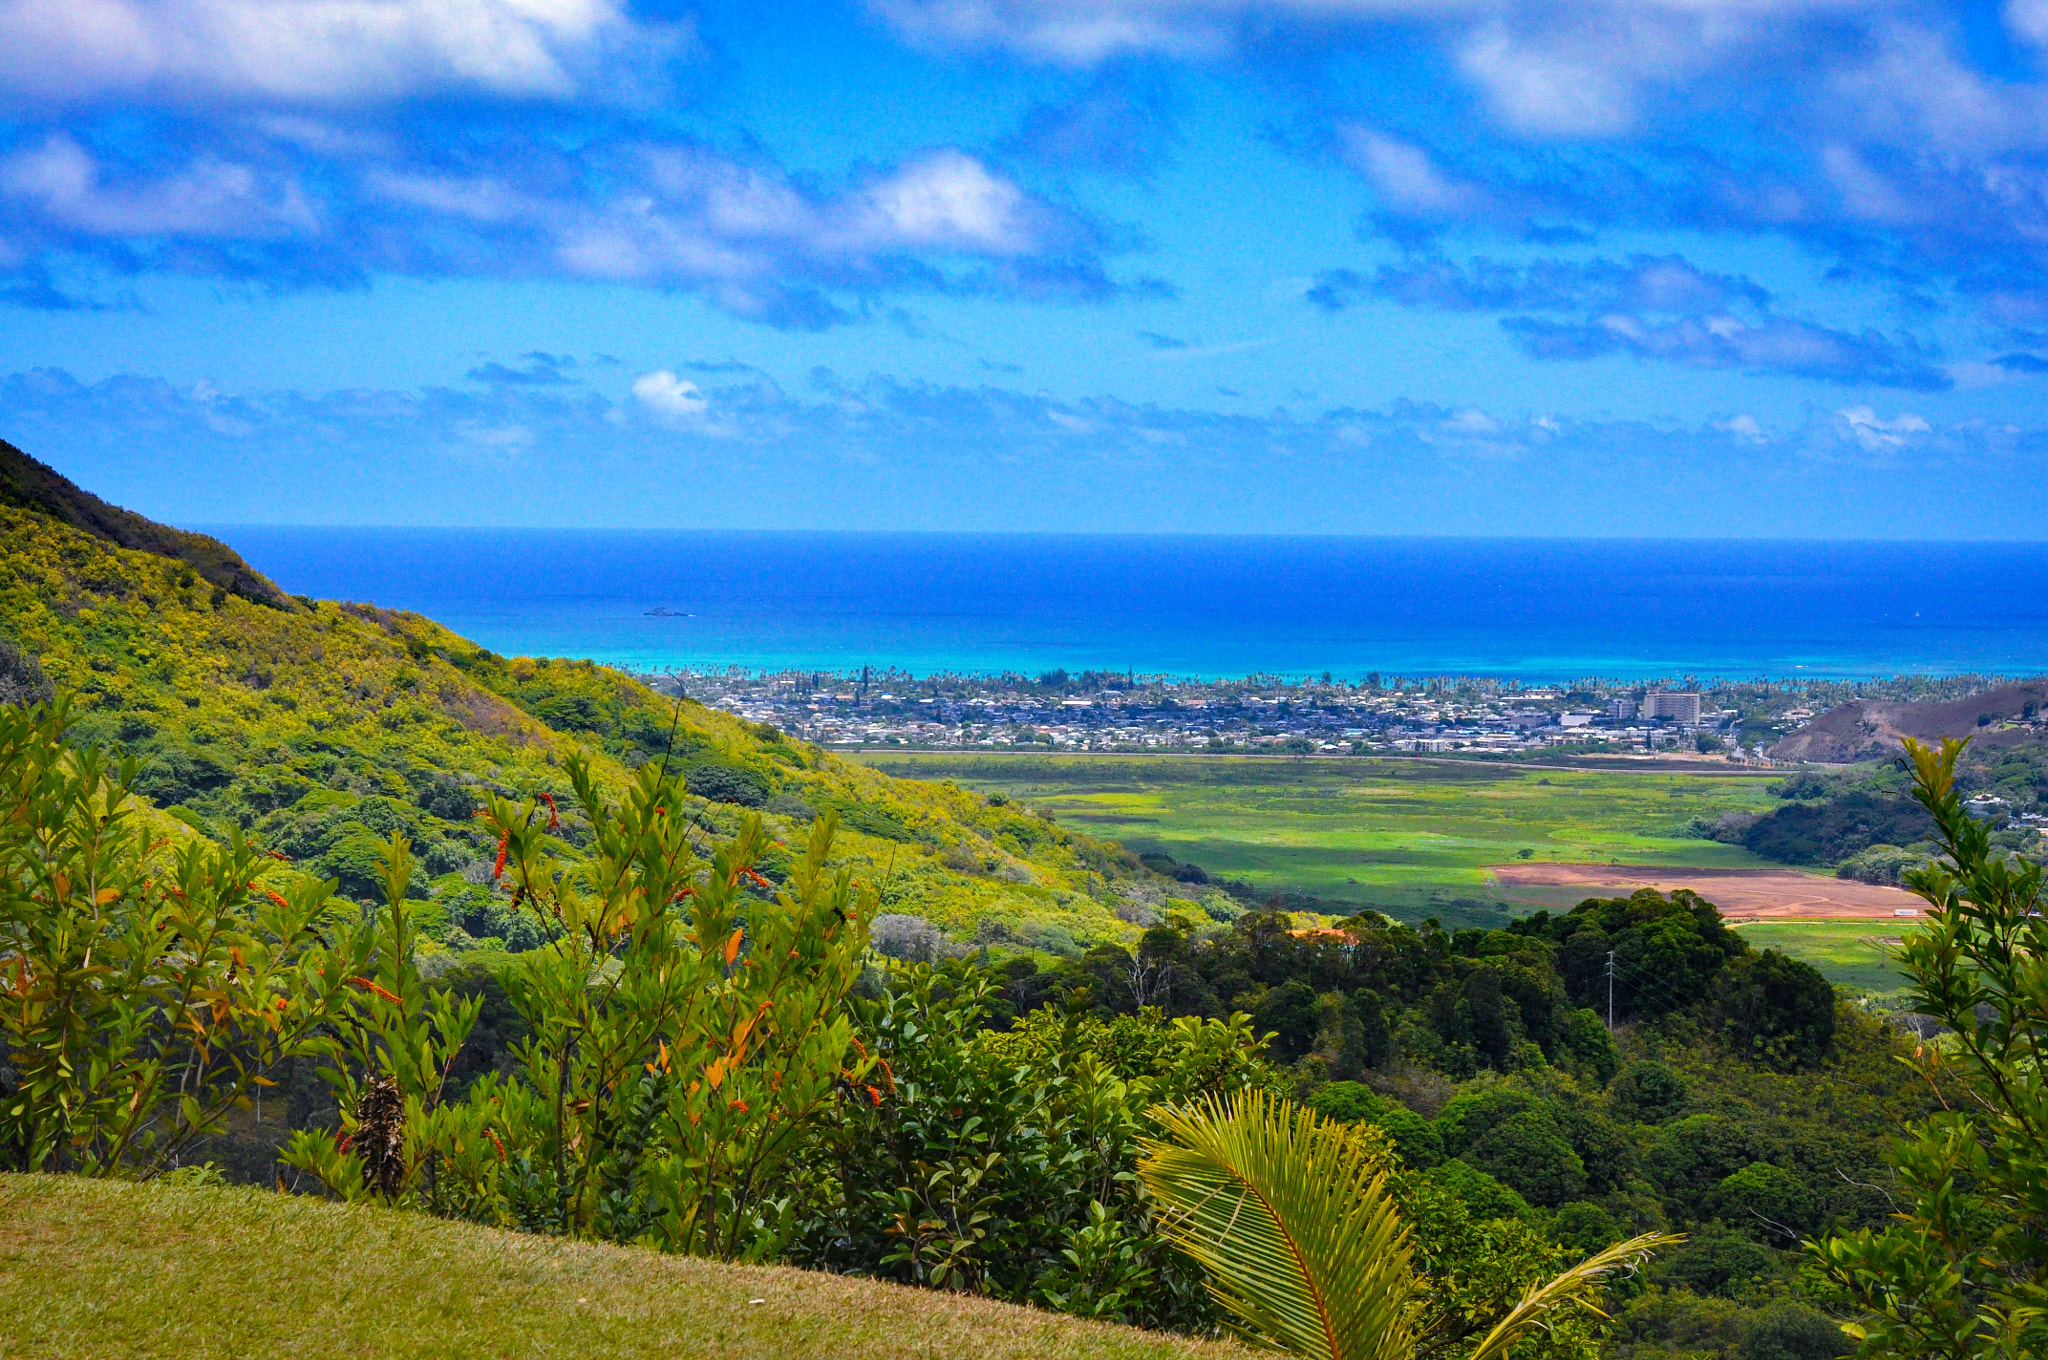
(1196, 606)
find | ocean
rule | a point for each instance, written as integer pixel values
(1531, 609)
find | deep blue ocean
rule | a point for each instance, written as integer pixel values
(1533, 609)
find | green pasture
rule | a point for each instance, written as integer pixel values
(1851, 953)
(1410, 836)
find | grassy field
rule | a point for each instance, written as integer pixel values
(1410, 836)
(93, 1270)
(1847, 952)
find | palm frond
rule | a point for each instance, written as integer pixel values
(1286, 1214)
(1573, 1287)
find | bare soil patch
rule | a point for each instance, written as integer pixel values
(1741, 894)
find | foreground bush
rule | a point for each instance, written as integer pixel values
(1963, 1270)
(684, 1028)
(146, 989)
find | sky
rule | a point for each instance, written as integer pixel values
(1684, 268)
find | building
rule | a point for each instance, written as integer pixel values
(1683, 707)
(1621, 710)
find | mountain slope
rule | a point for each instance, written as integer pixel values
(1870, 728)
(108, 1270)
(26, 484)
(322, 727)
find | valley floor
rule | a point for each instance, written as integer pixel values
(1469, 843)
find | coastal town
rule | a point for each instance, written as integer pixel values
(1105, 711)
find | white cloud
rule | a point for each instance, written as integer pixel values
(320, 51)
(669, 396)
(1406, 176)
(1549, 88)
(2028, 20)
(944, 201)
(66, 185)
(1877, 434)
(1085, 32)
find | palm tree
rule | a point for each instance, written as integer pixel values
(1290, 1216)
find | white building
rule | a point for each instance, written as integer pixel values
(1679, 706)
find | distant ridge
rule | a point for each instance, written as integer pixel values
(39, 488)
(1872, 728)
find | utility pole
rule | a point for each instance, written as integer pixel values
(1610, 991)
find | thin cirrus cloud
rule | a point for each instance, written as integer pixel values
(857, 446)
(1658, 308)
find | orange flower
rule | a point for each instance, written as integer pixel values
(739, 1105)
(875, 1096)
(370, 986)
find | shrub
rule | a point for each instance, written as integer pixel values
(1791, 1331)
(1720, 1262)
(683, 1033)
(1414, 1137)
(1768, 1201)
(722, 783)
(1649, 1092)
(1482, 1195)
(140, 1003)
(1528, 1153)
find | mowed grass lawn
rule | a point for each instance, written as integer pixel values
(1408, 835)
(93, 1270)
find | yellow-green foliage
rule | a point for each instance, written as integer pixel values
(324, 727)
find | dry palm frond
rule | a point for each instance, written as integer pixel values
(1296, 1231)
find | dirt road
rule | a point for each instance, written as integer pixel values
(1741, 894)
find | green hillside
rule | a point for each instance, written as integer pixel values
(108, 1270)
(322, 727)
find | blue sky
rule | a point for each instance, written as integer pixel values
(1686, 267)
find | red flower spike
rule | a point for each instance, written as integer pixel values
(554, 817)
(498, 869)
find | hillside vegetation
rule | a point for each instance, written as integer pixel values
(323, 727)
(108, 1270)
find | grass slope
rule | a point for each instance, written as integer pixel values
(1406, 835)
(100, 1271)
(322, 727)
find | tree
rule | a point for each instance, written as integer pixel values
(1777, 1009)
(1291, 1218)
(1960, 1272)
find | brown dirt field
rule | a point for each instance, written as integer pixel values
(1741, 894)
